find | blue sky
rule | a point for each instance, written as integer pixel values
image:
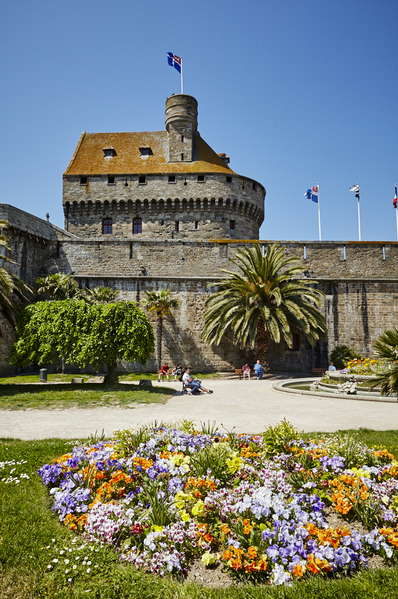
(294, 92)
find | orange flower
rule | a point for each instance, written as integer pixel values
(298, 570)
(252, 552)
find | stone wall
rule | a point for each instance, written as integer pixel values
(202, 209)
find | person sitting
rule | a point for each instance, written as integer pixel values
(258, 370)
(332, 367)
(246, 371)
(193, 384)
(176, 372)
(164, 371)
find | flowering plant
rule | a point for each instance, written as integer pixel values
(171, 496)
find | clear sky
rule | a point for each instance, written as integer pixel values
(294, 92)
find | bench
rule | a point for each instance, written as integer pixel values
(318, 371)
(239, 371)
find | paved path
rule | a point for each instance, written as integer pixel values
(248, 406)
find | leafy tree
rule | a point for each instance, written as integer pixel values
(386, 348)
(85, 334)
(341, 355)
(58, 286)
(100, 295)
(14, 293)
(161, 304)
(264, 300)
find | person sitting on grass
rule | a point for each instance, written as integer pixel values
(246, 371)
(258, 370)
(176, 372)
(164, 371)
(193, 384)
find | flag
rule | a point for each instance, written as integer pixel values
(356, 189)
(174, 61)
(312, 194)
(395, 202)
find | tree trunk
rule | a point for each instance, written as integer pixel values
(262, 345)
(111, 378)
(159, 334)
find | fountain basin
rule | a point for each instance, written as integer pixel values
(302, 387)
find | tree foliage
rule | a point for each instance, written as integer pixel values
(14, 293)
(341, 355)
(100, 295)
(160, 303)
(264, 299)
(58, 286)
(386, 348)
(84, 334)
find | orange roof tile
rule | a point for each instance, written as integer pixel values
(88, 158)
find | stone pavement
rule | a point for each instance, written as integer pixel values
(246, 406)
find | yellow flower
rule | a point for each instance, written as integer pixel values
(198, 508)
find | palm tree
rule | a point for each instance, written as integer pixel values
(387, 350)
(14, 293)
(161, 304)
(100, 295)
(264, 300)
(58, 286)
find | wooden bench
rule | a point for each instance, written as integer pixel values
(318, 371)
(239, 371)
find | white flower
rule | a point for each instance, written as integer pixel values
(74, 566)
(66, 561)
(88, 570)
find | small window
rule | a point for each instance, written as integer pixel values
(111, 180)
(295, 342)
(196, 225)
(83, 180)
(142, 180)
(106, 226)
(172, 178)
(137, 225)
(232, 224)
(146, 151)
(177, 226)
(229, 179)
(182, 156)
(109, 152)
(182, 139)
(255, 186)
(201, 178)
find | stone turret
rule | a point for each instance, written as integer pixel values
(181, 125)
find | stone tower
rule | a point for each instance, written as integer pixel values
(159, 185)
(181, 126)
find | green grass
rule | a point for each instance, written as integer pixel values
(28, 527)
(66, 378)
(87, 395)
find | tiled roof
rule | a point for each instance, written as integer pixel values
(88, 158)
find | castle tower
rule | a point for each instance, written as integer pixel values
(181, 126)
(159, 185)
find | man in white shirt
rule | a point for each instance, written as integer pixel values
(193, 384)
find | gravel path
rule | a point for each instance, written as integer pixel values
(246, 406)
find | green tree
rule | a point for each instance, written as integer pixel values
(386, 349)
(341, 355)
(264, 300)
(58, 286)
(161, 304)
(100, 295)
(85, 334)
(14, 293)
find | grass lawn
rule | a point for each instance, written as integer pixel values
(67, 378)
(86, 395)
(29, 530)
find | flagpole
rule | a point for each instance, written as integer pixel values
(359, 218)
(396, 211)
(319, 214)
(182, 89)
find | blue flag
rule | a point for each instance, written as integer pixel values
(312, 194)
(174, 61)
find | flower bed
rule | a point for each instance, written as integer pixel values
(255, 505)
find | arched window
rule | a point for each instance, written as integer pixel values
(106, 226)
(137, 225)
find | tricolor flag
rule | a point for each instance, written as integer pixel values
(174, 61)
(313, 194)
(395, 201)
